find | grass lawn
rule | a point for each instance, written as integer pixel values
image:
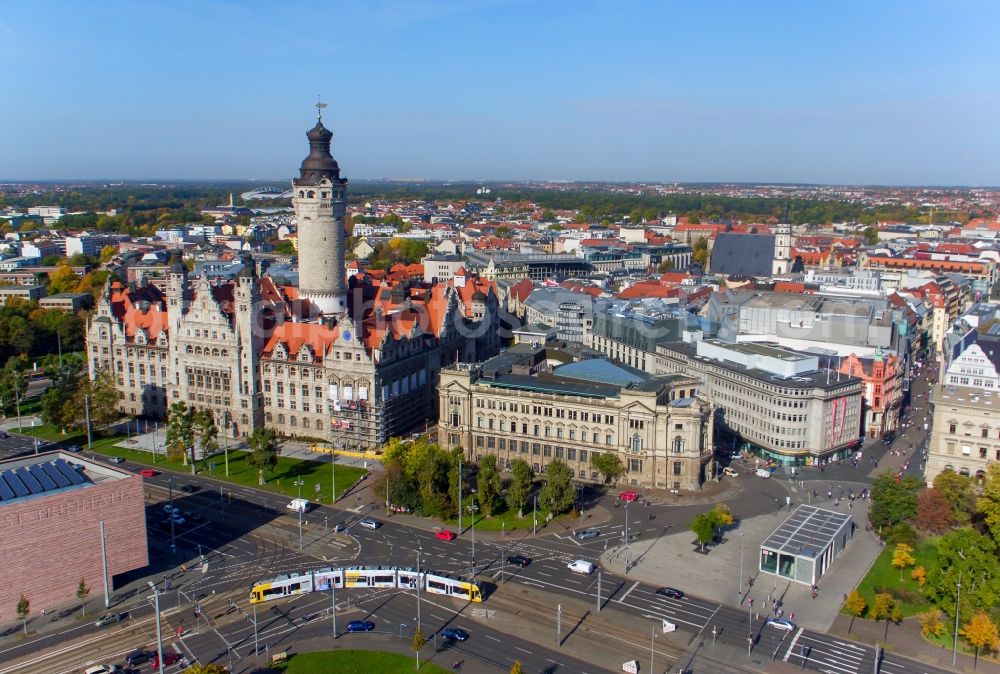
(509, 521)
(280, 481)
(356, 662)
(53, 434)
(883, 577)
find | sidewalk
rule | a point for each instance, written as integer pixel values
(673, 559)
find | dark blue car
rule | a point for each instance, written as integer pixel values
(360, 626)
(455, 633)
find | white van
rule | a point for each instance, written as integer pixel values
(298, 505)
(581, 566)
(763, 472)
(731, 472)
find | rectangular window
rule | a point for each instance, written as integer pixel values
(986, 432)
(677, 467)
(583, 455)
(536, 448)
(571, 454)
(479, 441)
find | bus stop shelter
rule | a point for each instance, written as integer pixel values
(806, 543)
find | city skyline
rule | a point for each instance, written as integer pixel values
(505, 91)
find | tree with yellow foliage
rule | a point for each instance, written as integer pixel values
(981, 632)
(902, 557)
(931, 624)
(210, 668)
(856, 605)
(919, 574)
(62, 280)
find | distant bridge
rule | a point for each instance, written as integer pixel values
(267, 193)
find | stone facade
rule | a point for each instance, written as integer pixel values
(661, 431)
(965, 431)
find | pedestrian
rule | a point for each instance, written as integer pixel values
(791, 616)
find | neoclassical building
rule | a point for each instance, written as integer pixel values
(538, 404)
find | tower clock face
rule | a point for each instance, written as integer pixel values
(347, 335)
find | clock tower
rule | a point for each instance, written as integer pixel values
(319, 197)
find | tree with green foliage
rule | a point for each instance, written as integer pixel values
(100, 396)
(893, 502)
(608, 464)
(972, 556)
(207, 668)
(23, 611)
(283, 247)
(489, 484)
(418, 643)
(558, 493)
(856, 606)
(988, 504)
(703, 526)
(82, 592)
(700, 251)
(263, 450)
(58, 404)
(871, 235)
(205, 431)
(957, 490)
(522, 479)
(503, 232)
(180, 431)
(13, 384)
(108, 252)
(548, 215)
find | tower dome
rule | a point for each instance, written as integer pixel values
(320, 163)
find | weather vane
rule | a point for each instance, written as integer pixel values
(319, 108)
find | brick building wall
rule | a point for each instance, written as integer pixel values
(49, 543)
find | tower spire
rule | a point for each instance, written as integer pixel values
(319, 108)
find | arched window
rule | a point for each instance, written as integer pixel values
(963, 471)
(267, 418)
(293, 421)
(215, 352)
(188, 349)
(224, 353)
(636, 443)
(301, 193)
(305, 423)
(311, 194)
(281, 418)
(678, 445)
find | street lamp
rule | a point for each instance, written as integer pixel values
(626, 538)
(225, 438)
(419, 550)
(958, 599)
(333, 474)
(740, 593)
(159, 636)
(473, 509)
(298, 483)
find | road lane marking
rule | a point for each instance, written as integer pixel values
(791, 646)
(622, 598)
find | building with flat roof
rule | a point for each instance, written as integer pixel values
(772, 402)
(52, 508)
(539, 403)
(805, 544)
(965, 431)
(28, 293)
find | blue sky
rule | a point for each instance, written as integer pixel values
(831, 92)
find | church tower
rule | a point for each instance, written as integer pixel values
(782, 249)
(319, 197)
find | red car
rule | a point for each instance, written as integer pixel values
(148, 472)
(628, 496)
(169, 658)
(445, 535)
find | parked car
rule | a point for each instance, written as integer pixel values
(103, 669)
(763, 472)
(781, 624)
(177, 518)
(456, 633)
(370, 523)
(170, 508)
(148, 472)
(194, 517)
(73, 448)
(116, 459)
(169, 658)
(189, 488)
(338, 527)
(4, 435)
(731, 472)
(581, 566)
(671, 592)
(445, 535)
(109, 619)
(137, 657)
(519, 560)
(360, 626)
(587, 534)
(628, 496)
